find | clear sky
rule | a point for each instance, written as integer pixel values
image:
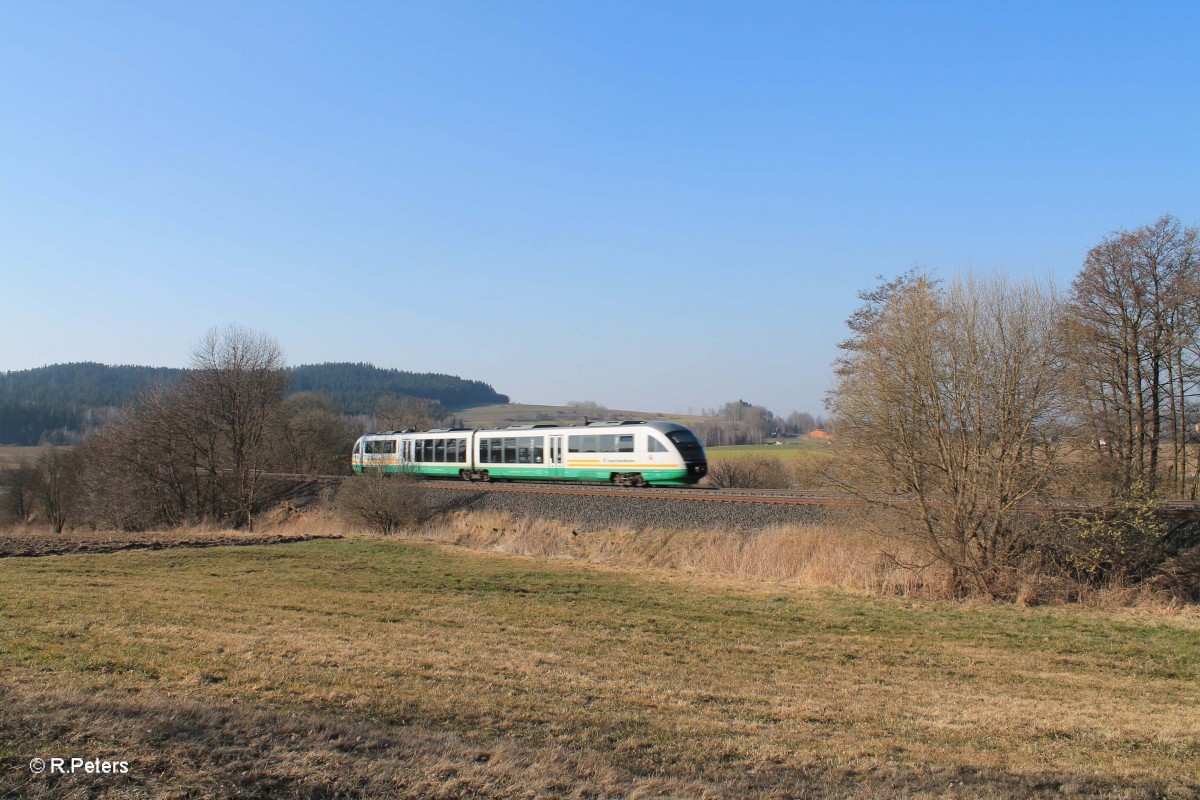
(650, 205)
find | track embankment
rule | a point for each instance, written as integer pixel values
(590, 510)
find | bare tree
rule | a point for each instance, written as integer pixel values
(801, 422)
(18, 491)
(407, 413)
(1133, 320)
(313, 437)
(145, 469)
(56, 484)
(234, 389)
(950, 397)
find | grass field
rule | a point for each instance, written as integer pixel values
(793, 450)
(366, 667)
(14, 456)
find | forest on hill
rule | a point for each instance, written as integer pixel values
(59, 403)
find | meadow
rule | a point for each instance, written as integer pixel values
(793, 450)
(398, 667)
(15, 455)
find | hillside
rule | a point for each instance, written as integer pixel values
(503, 414)
(354, 388)
(57, 403)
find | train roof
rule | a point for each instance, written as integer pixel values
(658, 425)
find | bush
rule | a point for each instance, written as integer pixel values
(381, 502)
(749, 473)
(1124, 544)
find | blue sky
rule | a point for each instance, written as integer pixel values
(657, 206)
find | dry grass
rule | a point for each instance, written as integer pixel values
(809, 556)
(12, 456)
(385, 667)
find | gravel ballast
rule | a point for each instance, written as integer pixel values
(602, 513)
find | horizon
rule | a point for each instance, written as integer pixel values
(690, 410)
(618, 203)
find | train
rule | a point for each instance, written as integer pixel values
(625, 453)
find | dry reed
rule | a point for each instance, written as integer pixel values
(818, 556)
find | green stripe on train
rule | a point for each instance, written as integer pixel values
(660, 477)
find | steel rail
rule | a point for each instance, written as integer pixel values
(1172, 509)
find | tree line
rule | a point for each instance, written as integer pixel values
(961, 404)
(60, 404)
(738, 422)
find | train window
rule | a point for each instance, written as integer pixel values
(380, 446)
(419, 444)
(510, 451)
(439, 450)
(484, 451)
(689, 447)
(625, 443)
(539, 451)
(524, 456)
(656, 446)
(408, 449)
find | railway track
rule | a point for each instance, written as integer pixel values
(1176, 510)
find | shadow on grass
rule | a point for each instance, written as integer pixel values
(182, 748)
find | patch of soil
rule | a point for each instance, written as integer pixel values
(34, 542)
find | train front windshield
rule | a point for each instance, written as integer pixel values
(689, 446)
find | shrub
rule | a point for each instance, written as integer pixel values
(381, 502)
(1122, 544)
(757, 473)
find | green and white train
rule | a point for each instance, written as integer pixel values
(622, 453)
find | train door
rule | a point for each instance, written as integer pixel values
(556, 457)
